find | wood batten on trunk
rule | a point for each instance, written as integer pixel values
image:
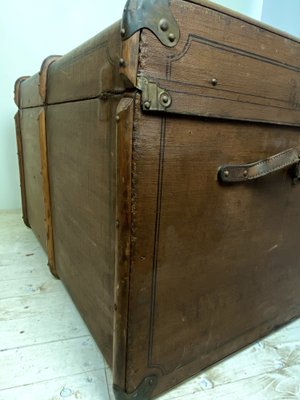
(21, 168)
(31, 98)
(124, 117)
(46, 191)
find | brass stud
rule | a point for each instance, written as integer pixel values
(214, 82)
(164, 25)
(117, 118)
(122, 62)
(226, 174)
(123, 32)
(245, 173)
(165, 99)
(147, 105)
(171, 37)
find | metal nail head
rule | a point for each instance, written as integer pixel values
(165, 99)
(122, 62)
(164, 25)
(171, 37)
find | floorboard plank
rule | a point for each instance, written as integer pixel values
(277, 385)
(45, 316)
(17, 266)
(90, 385)
(47, 361)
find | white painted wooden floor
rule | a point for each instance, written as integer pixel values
(47, 353)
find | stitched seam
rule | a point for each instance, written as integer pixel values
(272, 169)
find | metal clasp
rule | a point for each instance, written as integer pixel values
(154, 97)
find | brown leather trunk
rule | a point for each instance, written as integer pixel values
(169, 151)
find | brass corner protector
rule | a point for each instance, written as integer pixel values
(143, 392)
(154, 15)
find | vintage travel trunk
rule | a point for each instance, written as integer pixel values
(159, 166)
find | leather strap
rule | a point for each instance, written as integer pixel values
(246, 172)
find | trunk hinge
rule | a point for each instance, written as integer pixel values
(154, 15)
(154, 97)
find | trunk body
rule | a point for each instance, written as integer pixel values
(176, 248)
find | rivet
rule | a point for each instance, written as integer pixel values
(164, 25)
(226, 174)
(117, 118)
(214, 82)
(123, 32)
(122, 62)
(147, 105)
(245, 173)
(171, 37)
(165, 98)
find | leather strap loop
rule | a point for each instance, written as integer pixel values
(245, 172)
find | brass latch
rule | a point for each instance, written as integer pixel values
(154, 97)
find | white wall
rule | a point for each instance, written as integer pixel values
(252, 8)
(30, 31)
(285, 15)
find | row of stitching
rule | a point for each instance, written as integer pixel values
(273, 158)
(274, 169)
(267, 161)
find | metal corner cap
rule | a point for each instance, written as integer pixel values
(143, 392)
(154, 15)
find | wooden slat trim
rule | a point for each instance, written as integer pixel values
(21, 167)
(130, 53)
(17, 90)
(125, 114)
(44, 76)
(46, 190)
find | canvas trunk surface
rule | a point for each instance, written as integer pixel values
(168, 200)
